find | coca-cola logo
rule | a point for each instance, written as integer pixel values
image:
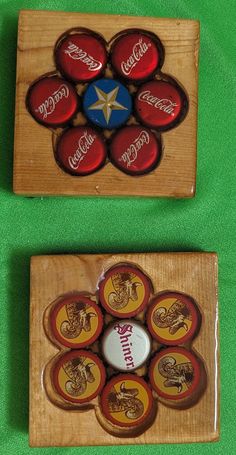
(84, 144)
(163, 104)
(76, 53)
(139, 50)
(48, 106)
(131, 154)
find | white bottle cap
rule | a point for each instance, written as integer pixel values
(126, 345)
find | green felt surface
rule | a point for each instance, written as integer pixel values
(58, 225)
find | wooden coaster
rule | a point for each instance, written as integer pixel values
(53, 424)
(35, 169)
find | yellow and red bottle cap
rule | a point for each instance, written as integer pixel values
(76, 321)
(174, 373)
(124, 291)
(79, 376)
(127, 400)
(173, 318)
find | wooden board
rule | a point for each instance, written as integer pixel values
(35, 170)
(191, 273)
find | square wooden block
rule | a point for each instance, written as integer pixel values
(191, 273)
(35, 169)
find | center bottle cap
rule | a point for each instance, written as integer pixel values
(126, 345)
(107, 103)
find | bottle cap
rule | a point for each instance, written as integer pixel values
(160, 104)
(172, 318)
(76, 321)
(81, 57)
(107, 103)
(126, 400)
(135, 150)
(80, 151)
(79, 376)
(126, 345)
(174, 373)
(124, 291)
(52, 101)
(136, 55)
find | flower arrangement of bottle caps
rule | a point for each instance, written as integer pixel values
(123, 350)
(107, 101)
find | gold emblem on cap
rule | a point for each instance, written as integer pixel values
(107, 102)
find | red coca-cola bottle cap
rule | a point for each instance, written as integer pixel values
(52, 101)
(80, 151)
(135, 150)
(160, 104)
(81, 57)
(136, 55)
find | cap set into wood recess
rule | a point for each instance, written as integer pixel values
(80, 88)
(156, 346)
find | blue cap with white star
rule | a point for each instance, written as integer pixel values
(107, 103)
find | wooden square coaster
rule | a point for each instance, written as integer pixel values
(191, 273)
(35, 169)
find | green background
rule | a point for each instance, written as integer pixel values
(62, 225)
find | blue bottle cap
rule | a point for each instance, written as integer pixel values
(107, 103)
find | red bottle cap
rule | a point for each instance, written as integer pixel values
(79, 376)
(127, 400)
(52, 101)
(136, 55)
(124, 291)
(76, 321)
(135, 150)
(173, 318)
(174, 373)
(160, 104)
(80, 151)
(81, 57)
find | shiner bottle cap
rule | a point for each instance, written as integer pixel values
(126, 345)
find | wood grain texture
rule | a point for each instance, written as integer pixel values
(192, 273)
(35, 170)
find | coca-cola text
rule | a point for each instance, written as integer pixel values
(48, 106)
(76, 53)
(131, 154)
(84, 144)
